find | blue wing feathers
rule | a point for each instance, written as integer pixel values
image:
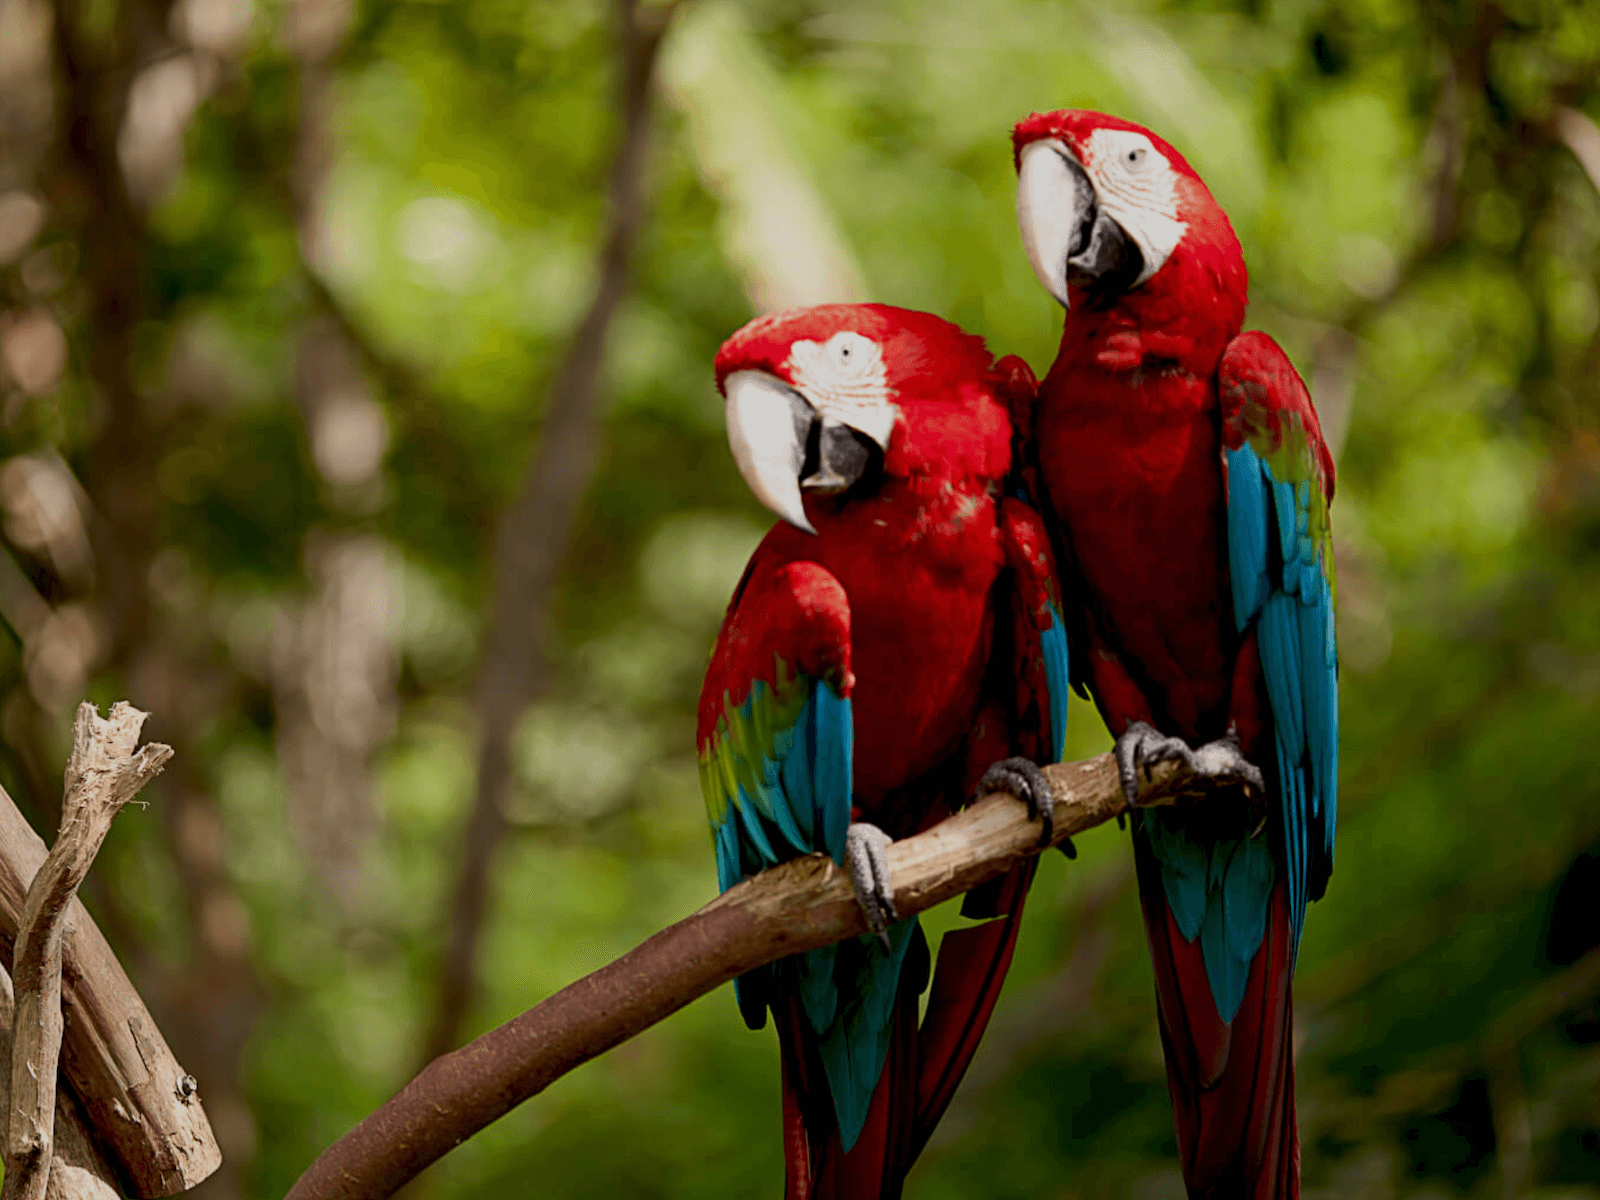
(785, 769)
(833, 747)
(752, 829)
(1291, 604)
(1058, 677)
(1294, 837)
(1220, 894)
(1322, 718)
(1283, 512)
(1279, 641)
(727, 846)
(1247, 535)
(796, 778)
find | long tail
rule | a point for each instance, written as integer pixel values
(966, 984)
(816, 1166)
(923, 1068)
(1232, 1084)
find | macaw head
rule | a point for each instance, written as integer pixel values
(1109, 210)
(825, 400)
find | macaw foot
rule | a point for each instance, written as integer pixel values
(1024, 780)
(1141, 746)
(866, 857)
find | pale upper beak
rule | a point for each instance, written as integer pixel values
(1067, 234)
(783, 445)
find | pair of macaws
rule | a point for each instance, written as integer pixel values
(903, 638)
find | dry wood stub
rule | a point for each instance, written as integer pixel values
(107, 769)
(78, 1171)
(150, 1125)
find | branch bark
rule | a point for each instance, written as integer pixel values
(78, 1171)
(798, 906)
(106, 770)
(537, 527)
(146, 1120)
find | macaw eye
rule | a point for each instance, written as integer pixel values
(849, 350)
(1136, 157)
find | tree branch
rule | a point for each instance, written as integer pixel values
(114, 1058)
(107, 769)
(537, 527)
(798, 906)
(78, 1170)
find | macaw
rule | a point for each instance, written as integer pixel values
(1187, 484)
(895, 642)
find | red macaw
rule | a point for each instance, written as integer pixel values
(896, 636)
(1188, 486)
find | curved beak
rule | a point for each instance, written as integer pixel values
(1067, 234)
(783, 445)
(769, 424)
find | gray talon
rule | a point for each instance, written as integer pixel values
(1141, 746)
(1223, 758)
(866, 857)
(1024, 780)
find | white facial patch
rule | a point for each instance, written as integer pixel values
(1137, 188)
(844, 378)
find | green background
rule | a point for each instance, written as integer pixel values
(320, 503)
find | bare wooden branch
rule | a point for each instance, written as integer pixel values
(107, 769)
(141, 1104)
(78, 1171)
(798, 906)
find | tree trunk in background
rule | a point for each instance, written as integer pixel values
(334, 662)
(210, 1004)
(537, 527)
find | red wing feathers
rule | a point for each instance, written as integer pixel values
(796, 610)
(1260, 388)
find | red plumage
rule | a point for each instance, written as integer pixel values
(1129, 436)
(921, 600)
(1232, 1085)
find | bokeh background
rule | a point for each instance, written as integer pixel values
(347, 424)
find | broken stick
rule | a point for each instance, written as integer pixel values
(107, 769)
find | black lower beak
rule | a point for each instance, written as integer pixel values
(837, 457)
(1110, 262)
(1103, 260)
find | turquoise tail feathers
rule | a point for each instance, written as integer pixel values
(1219, 892)
(848, 994)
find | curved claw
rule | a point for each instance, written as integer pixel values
(866, 857)
(1024, 780)
(1142, 746)
(1225, 758)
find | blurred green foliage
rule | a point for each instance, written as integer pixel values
(1423, 241)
